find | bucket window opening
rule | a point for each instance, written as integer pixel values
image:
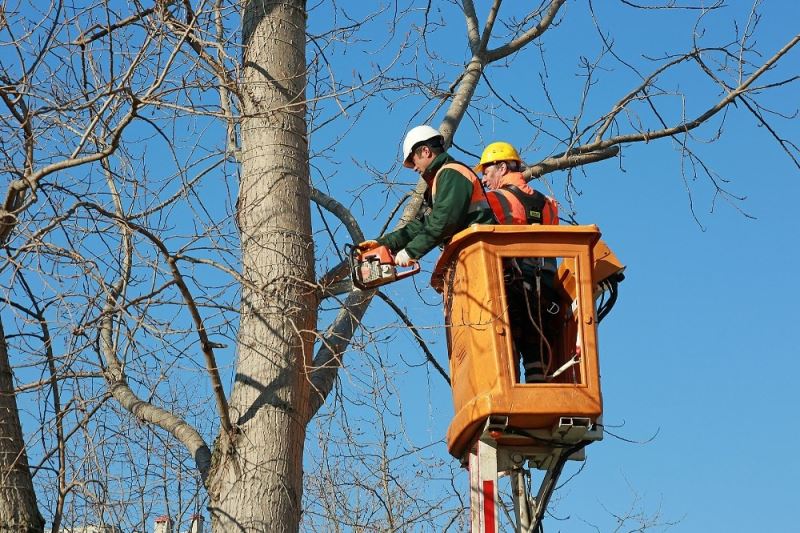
(540, 315)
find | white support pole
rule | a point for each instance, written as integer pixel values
(483, 486)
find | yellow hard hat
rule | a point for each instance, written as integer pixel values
(499, 151)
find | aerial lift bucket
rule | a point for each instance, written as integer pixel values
(499, 424)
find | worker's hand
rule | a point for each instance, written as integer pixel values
(367, 245)
(403, 259)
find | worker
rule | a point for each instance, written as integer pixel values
(534, 305)
(454, 193)
(512, 200)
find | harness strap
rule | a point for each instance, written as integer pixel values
(533, 203)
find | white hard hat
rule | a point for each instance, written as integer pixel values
(415, 136)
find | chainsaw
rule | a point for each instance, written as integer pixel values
(373, 268)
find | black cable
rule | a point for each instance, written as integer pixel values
(557, 468)
(611, 284)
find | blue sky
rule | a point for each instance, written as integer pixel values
(699, 350)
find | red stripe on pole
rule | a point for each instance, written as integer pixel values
(488, 506)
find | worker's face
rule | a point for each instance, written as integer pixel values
(493, 175)
(421, 159)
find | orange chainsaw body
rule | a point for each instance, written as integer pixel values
(376, 267)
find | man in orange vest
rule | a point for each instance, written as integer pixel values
(534, 306)
(454, 192)
(511, 198)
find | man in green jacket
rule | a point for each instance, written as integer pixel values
(454, 192)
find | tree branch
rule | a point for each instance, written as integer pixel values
(146, 411)
(15, 196)
(570, 159)
(206, 346)
(337, 337)
(84, 39)
(602, 149)
(428, 355)
(528, 36)
(471, 19)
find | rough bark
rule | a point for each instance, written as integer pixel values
(18, 509)
(256, 483)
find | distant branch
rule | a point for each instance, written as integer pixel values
(428, 355)
(85, 39)
(528, 36)
(601, 148)
(206, 346)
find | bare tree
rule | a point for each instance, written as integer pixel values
(174, 316)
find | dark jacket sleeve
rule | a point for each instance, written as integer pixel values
(450, 209)
(398, 239)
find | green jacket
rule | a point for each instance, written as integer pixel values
(450, 213)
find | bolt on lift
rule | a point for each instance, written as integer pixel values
(501, 426)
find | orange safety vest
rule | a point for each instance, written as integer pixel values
(511, 205)
(478, 200)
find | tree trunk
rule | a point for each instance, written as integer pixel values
(18, 509)
(256, 484)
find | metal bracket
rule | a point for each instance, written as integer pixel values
(489, 460)
(496, 423)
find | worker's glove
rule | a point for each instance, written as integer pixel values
(368, 245)
(403, 259)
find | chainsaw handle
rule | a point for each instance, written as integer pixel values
(410, 272)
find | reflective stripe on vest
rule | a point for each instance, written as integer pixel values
(506, 207)
(477, 201)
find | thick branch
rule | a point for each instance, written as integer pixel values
(569, 159)
(473, 35)
(350, 223)
(17, 189)
(143, 410)
(328, 359)
(488, 27)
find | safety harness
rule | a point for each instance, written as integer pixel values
(511, 205)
